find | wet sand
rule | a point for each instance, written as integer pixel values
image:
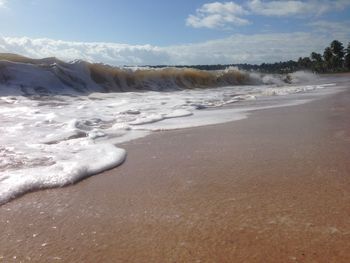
(271, 188)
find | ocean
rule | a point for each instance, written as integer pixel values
(62, 122)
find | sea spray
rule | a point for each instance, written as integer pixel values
(52, 76)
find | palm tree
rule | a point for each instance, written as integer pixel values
(317, 62)
(337, 49)
(347, 58)
(328, 58)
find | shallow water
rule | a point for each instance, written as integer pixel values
(55, 140)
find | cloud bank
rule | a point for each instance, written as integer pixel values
(238, 48)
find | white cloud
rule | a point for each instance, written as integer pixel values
(238, 48)
(112, 53)
(335, 30)
(227, 14)
(329, 26)
(295, 7)
(218, 15)
(278, 8)
(3, 3)
(256, 48)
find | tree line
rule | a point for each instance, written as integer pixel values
(335, 58)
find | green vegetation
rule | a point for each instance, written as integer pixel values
(347, 58)
(334, 59)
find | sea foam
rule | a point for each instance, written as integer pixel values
(60, 169)
(60, 121)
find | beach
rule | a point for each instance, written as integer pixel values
(274, 187)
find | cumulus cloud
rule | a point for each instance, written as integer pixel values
(218, 15)
(295, 7)
(238, 48)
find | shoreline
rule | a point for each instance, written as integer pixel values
(272, 187)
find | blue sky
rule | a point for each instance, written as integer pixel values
(172, 32)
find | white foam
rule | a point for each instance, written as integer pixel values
(59, 169)
(58, 140)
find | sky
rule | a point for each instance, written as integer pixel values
(153, 32)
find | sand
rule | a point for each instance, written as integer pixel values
(271, 188)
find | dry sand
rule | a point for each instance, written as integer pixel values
(272, 188)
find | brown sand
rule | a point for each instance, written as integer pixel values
(272, 188)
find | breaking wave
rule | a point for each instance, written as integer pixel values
(52, 76)
(56, 140)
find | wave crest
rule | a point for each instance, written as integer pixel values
(52, 76)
